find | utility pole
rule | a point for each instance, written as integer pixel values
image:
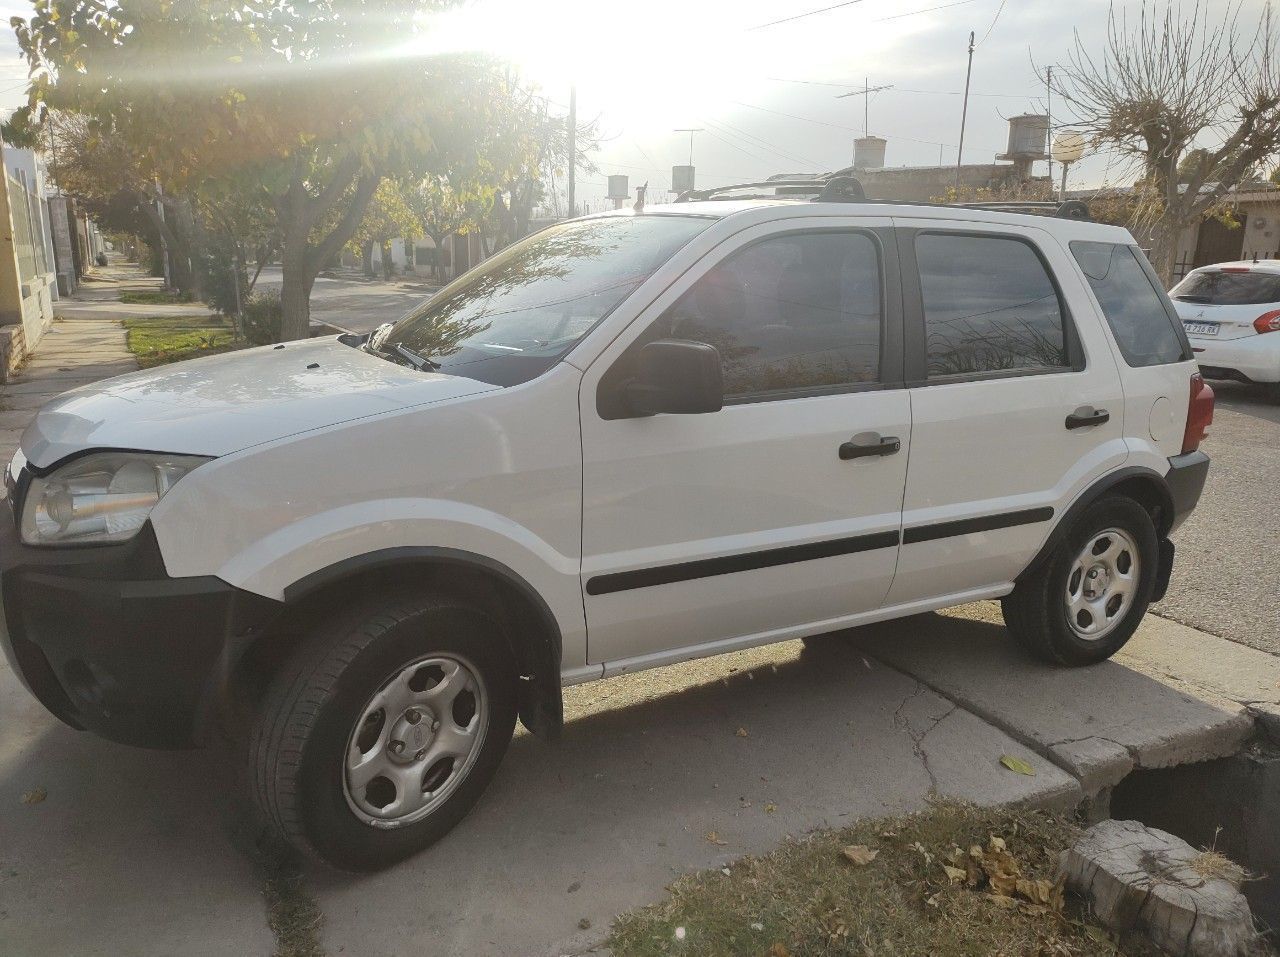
(964, 111)
(691, 131)
(865, 93)
(573, 141)
(1048, 109)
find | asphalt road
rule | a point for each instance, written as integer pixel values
(354, 303)
(1228, 552)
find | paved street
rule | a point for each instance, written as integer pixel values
(354, 303)
(1224, 579)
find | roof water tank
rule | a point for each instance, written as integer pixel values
(868, 152)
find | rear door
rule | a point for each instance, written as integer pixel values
(1016, 406)
(772, 514)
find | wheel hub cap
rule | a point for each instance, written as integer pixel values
(415, 741)
(1102, 584)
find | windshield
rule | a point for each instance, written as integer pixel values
(1220, 288)
(517, 313)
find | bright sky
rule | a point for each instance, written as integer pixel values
(766, 96)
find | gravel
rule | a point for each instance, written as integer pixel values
(1227, 568)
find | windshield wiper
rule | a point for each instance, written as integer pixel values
(419, 362)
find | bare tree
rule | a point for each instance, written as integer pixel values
(1174, 86)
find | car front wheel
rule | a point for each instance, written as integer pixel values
(380, 733)
(1083, 603)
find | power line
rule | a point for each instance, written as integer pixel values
(901, 89)
(801, 16)
(753, 153)
(912, 13)
(994, 21)
(841, 126)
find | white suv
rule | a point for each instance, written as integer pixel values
(1229, 312)
(626, 441)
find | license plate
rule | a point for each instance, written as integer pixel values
(1201, 328)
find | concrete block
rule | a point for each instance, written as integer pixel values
(1141, 879)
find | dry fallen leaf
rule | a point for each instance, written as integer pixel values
(741, 732)
(958, 875)
(770, 807)
(34, 796)
(714, 838)
(1017, 765)
(859, 854)
(779, 950)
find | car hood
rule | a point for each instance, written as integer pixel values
(221, 404)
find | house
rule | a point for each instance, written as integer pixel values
(1251, 232)
(28, 271)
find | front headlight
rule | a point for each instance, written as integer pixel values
(103, 497)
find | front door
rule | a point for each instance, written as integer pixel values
(782, 510)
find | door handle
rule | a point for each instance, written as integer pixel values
(877, 445)
(1086, 416)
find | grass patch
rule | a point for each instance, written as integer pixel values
(953, 881)
(154, 298)
(293, 914)
(172, 339)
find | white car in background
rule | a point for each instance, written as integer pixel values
(1229, 311)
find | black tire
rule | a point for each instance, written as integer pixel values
(304, 722)
(1036, 613)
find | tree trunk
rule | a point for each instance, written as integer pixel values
(366, 258)
(1164, 248)
(388, 267)
(295, 293)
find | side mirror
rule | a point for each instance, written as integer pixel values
(676, 376)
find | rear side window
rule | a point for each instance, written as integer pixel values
(989, 306)
(796, 313)
(1221, 288)
(1131, 302)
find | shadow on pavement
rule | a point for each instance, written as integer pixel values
(141, 852)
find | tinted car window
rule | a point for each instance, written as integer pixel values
(797, 312)
(518, 312)
(1218, 288)
(989, 306)
(1133, 306)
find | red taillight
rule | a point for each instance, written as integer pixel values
(1199, 414)
(1267, 322)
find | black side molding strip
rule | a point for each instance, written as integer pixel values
(985, 523)
(728, 564)
(771, 557)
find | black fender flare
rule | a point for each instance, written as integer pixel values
(1156, 492)
(542, 705)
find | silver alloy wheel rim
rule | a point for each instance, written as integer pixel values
(415, 741)
(1102, 583)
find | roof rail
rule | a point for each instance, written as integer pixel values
(1069, 209)
(783, 187)
(848, 189)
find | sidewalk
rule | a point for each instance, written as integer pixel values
(74, 352)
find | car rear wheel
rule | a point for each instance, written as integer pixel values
(1085, 601)
(380, 733)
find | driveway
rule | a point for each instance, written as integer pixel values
(1228, 552)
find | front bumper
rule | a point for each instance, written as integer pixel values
(108, 642)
